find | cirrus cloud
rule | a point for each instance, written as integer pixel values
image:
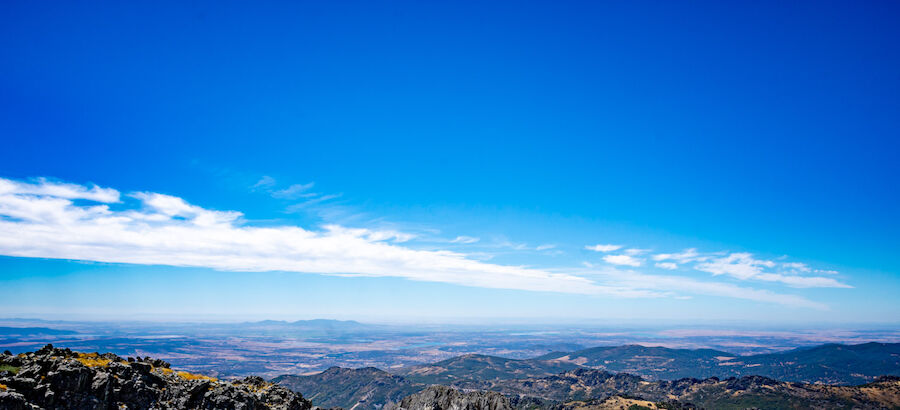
(603, 248)
(626, 260)
(744, 266)
(41, 220)
(48, 219)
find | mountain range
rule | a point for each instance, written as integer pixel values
(830, 364)
(650, 372)
(483, 367)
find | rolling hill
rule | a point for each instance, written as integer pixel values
(483, 367)
(652, 362)
(831, 364)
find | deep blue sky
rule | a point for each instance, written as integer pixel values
(763, 128)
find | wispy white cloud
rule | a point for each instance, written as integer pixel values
(295, 191)
(44, 187)
(675, 283)
(744, 266)
(264, 182)
(635, 251)
(688, 255)
(301, 192)
(626, 260)
(739, 265)
(667, 265)
(545, 247)
(311, 202)
(42, 220)
(603, 248)
(504, 243)
(48, 219)
(372, 235)
(802, 281)
(465, 239)
(796, 267)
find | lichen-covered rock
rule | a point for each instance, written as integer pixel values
(53, 378)
(448, 398)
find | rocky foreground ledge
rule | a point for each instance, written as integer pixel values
(52, 378)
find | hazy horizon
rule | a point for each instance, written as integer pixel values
(475, 321)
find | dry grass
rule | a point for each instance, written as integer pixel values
(258, 388)
(191, 376)
(92, 360)
(614, 402)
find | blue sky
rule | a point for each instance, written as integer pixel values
(451, 161)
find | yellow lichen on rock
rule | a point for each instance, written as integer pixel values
(191, 376)
(92, 360)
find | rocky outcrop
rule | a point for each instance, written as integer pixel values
(53, 378)
(365, 388)
(448, 398)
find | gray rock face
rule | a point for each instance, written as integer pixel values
(448, 398)
(62, 379)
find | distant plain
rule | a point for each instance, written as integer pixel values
(272, 348)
